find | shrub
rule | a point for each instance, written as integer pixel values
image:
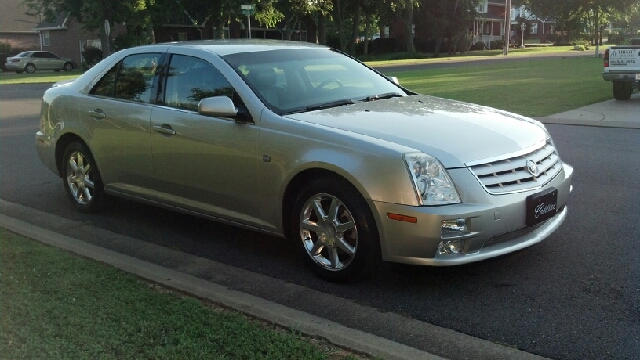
(92, 55)
(5, 48)
(496, 44)
(617, 38)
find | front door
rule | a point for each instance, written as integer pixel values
(202, 163)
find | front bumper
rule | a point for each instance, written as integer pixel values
(496, 224)
(45, 147)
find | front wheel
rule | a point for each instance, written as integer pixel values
(30, 68)
(81, 178)
(622, 90)
(335, 231)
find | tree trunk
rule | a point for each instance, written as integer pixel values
(337, 17)
(354, 30)
(322, 29)
(408, 27)
(367, 33)
(220, 28)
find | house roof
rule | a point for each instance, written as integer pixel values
(60, 23)
(13, 17)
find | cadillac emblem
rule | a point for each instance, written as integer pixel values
(532, 167)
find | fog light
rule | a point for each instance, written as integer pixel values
(451, 247)
(454, 228)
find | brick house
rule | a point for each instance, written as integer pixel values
(489, 23)
(17, 28)
(65, 37)
(537, 27)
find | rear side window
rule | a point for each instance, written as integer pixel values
(130, 79)
(192, 79)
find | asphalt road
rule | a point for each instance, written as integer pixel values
(576, 295)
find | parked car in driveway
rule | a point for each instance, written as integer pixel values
(31, 61)
(304, 142)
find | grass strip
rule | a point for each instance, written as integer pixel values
(54, 305)
(9, 78)
(536, 87)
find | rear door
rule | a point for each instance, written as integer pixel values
(117, 112)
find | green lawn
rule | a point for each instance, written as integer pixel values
(11, 78)
(534, 87)
(54, 305)
(537, 87)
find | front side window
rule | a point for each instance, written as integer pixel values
(190, 80)
(130, 79)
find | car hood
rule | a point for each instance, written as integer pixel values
(452, 131)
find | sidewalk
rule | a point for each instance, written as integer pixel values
(611, 113)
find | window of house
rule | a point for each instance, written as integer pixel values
(533, 28)
(130, 79)
(482, 7)
(190, 80)
(45, 38)
(182, 36)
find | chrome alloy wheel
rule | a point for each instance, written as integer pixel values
(328, 232)
(80, 178)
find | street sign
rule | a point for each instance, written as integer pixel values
(248, 9)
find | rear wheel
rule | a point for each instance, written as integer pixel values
(68, 66)
(81, 178)
(30, 68)
(622, 90)
(335, 231)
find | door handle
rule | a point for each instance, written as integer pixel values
(97, 114)
(164, 129)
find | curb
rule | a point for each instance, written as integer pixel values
(446, 343)
(271, 312)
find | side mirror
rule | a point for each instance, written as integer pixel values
(217, 106)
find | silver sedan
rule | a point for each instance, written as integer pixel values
(301, 141)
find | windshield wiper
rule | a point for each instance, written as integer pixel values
(328, 105)
(381, 96)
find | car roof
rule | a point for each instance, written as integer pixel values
(233, 46)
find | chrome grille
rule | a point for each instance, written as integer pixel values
(511, 174)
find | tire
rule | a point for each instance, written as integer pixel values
(622, 90)
(68, 66)
(339, 239)
(81, 179)
(30, 68)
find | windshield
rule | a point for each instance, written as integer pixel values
(23, 54)
(296, 80)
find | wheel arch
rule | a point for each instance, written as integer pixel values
(304, 177)
(62, 144)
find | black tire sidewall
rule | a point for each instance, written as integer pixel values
(98, 193)
(367, 258)
(622, 90)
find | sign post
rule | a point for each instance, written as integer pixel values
(248, 10)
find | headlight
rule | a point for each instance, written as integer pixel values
(430, 179)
